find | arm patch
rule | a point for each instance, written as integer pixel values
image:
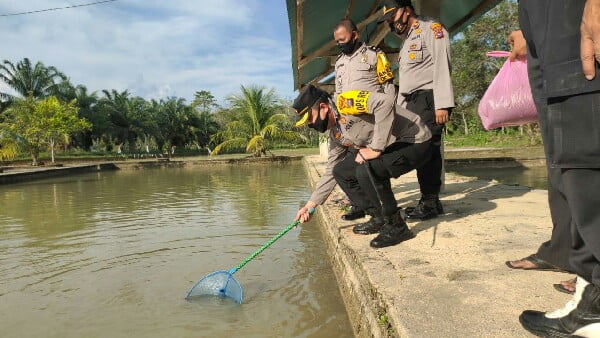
(353, 102)
(384, 70)
(438, 31)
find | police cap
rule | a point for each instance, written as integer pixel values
(390, 6)
(304, 102)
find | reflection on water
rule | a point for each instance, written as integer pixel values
(533, 177)
(113, 255)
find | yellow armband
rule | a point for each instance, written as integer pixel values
(353, 102)
(384, 70)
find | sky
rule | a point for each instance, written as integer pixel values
(155, 48)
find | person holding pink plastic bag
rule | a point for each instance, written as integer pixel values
(563, 50)
(508, 101)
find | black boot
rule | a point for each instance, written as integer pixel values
(370, 227)
(579, 318)
(353, 214)
(427, 208)
(394, 231)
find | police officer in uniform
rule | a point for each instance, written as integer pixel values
(425, 88)
(391, 141)
(358, 67)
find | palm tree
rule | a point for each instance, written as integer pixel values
(25, 79)
(126, 115)
(257, 123)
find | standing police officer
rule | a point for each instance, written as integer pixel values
(358, 67)
(425, 88)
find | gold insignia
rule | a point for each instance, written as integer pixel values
(412, 56)
(342, 120)
(304, 119)
(338, 135)
(363, 58)
(438, 31)
(418, 31)
(387, 10)
(416, 24)
(413, 46)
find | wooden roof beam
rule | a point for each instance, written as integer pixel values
(326, 48)
(299, 35)
(482, 6)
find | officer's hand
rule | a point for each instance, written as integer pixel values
(303, 215)
(365, 154)
(590, 38)
(441, 116)
(519, 46)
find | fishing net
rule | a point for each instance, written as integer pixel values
(219, 283)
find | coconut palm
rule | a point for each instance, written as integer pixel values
(26, 79)
(257, 123)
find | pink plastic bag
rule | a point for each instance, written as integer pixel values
(508, 100)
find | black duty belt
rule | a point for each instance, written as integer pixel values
(414, 95)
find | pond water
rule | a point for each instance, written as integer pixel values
(114, 254)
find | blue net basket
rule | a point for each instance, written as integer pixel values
(219, 283)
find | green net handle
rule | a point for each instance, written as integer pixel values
(268, 244)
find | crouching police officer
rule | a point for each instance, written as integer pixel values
(390, 142)
(361, 67)
(425, 88)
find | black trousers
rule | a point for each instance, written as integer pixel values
(430, 174)
(396, 160)
(345, 176)
(582, 192)
(557, 249)
(573, 192)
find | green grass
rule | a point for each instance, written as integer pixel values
(492, 139)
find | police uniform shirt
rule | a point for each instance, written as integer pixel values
(359, 71)
(424, 63)
(337, 153)
(369, 119)
(366, 119)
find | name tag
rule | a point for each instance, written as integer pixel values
(353, 102)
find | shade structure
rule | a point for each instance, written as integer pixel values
(312, 21)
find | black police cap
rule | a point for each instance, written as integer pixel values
(390, 6)
(305, 100)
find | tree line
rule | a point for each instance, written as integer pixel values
(47, 112)
(473, 71)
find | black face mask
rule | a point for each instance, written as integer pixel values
(348, 47)
(403, 26)
(320, 125)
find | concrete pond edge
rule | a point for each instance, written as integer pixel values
(366, 308)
